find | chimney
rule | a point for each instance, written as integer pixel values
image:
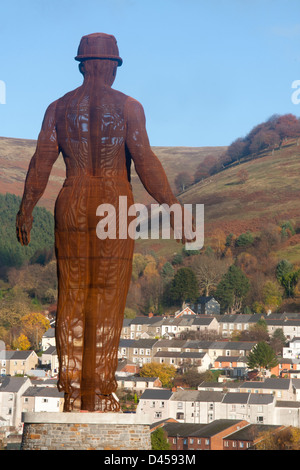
(150, 315)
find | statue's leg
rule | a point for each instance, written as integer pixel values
(110, 275)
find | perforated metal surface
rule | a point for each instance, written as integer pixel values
(99, 131)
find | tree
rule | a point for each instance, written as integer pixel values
(271, 295)
(245, 239)
(182, 181)
(232, 289)
(237, 150)
(262, 357)
(22, 343)
(165, 372)
(242, 175)
(282, 439)
(34, 326)
(184, 286)
(278, 340)
(209, 271)
(159, 440)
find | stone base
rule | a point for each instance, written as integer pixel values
(85, 431)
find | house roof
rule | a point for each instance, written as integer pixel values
(199, 430)
(145, 320)
(12, 384)
(236, 397)
(50, 333)
(261, 398)
(231, 359)
(161, 394)
(43, 392)
(251, 432)
(287, 404)
(51, 350)
(197, 395)
(19, 355)
(271, 384)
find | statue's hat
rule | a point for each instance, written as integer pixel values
(98, 46)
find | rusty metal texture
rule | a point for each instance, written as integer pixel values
(99, 132)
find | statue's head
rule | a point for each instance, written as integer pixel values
(98, 53)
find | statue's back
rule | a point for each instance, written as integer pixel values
(91, 130)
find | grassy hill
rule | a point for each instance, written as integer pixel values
(15, 155)
(271, 193)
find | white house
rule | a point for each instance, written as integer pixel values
(293, 349)
(48, 339)
(42, 399)
(11, 391)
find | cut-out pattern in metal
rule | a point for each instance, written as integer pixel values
(99, 132)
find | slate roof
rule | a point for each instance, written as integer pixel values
(251, 432)
(12, 384)
(50, 333)
(199, 430)
(161, 394)
(236, 397)
(43, 392)
(261, 398)
(271, 384)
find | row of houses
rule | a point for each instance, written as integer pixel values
(21, 394)
(221, 434)
(220, 325)
(272, 402)
(230, 357)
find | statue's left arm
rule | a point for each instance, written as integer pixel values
(46, 153)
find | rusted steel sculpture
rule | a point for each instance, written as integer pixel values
(99, 131)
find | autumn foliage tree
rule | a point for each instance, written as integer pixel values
(34, 326)
(182, 181)
(164, 372)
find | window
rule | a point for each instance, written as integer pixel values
(226, 444)
(162, 404)
(147, 352)
(158, 414)
(241, 445)
(141, 352)
(199, 441)
(135, 351)
(152, 404)
(207, 442)
(180, 405)
(179, 415)
(191, 440)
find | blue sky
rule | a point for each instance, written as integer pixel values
(206, 71)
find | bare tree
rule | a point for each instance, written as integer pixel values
(209, 271)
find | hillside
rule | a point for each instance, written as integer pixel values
(15, 155)
(269, 195)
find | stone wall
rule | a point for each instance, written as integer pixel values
(84, 433)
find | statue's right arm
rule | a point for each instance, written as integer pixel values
(147, 165)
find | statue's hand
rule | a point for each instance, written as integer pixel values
(23, 227)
